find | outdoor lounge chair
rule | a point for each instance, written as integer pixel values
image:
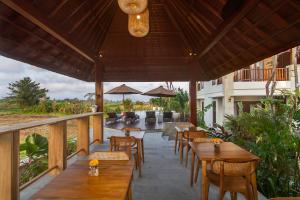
(167, 117)
(131, 117)
(150, 117)
(112, 118)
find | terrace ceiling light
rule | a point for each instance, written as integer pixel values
(133, 7)
(138, 25)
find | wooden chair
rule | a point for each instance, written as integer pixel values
(142, 142)
(233, 176)
(126, 144)
(200, 140)
(190, 136)
(178, 131)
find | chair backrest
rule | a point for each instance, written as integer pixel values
(126, 129)
(122, 144)
(233, 167)
(130, 114)
(150, 114)
(204, 140)
(191, 135)
(112, 115)
(168, 115)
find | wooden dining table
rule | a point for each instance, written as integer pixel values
(113, 182)
(139, 136)
(228, 150)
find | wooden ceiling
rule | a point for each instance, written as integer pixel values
(188, 39)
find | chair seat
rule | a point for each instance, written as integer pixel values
(231, 183)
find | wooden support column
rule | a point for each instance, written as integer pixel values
(193, 103)
(9, 166)
(57, 150)
(98, 120)
(83, 137)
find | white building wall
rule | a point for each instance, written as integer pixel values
(208, 117)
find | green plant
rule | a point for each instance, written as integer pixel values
(26, 92)
(35, 146)
(267, 132)
(36, 149)
(201, 114)
(29, 171)
(71, 146)
(128, 105)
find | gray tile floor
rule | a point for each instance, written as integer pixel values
(163, 177)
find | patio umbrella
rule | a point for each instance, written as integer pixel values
(160, 92)
(123, 89)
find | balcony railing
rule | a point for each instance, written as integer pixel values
(217, 81)
(57, 156)
(251, 75)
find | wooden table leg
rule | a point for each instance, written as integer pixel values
(139, 157)
(253, 182)
(176, 141)
(204, 181)
(181, 147)
(129, 193)
(143, 150)
(192, 168)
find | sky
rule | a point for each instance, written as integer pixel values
(61, 87)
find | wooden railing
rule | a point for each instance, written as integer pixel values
(217, 81)
(250, 75)
(57, 146)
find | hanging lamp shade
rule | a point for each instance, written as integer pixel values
(132, 7)
(138, 25)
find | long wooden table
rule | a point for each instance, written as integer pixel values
(113, 183)
(139, 136)
(228, 150)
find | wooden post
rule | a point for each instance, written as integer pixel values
(9, 166)
(83, 137)
(57, 154)
(98, 120)
(193, 105)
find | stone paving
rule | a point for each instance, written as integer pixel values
(163, 177)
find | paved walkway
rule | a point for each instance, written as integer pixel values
(163, 177)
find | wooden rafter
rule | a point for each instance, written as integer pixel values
(30, 13)
(227, 25)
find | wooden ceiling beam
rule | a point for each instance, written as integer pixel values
(227, 25)
(32, 14)
(271, 52)
(85, 16)
(175, 23)
(57, 8)
(31, 33)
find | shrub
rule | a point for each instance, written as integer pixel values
(267, 132)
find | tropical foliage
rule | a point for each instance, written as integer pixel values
(26, 92)
(179, 103)
(269, 132)
(201, 114)
(35, 162)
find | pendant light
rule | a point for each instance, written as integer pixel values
(132, 7)
(138, 25)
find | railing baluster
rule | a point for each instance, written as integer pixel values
(57, 141)
(83, 137)
(9, 166)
